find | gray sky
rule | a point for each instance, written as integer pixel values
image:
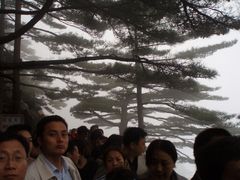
(226, 62)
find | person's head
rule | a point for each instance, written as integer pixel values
(161, 156)
(93, 127)
(113, 158)
(52, 135)
(13, 156)
(23, 130)
(134, 140)
(207, 136)
(97, 138)
(220, 159)
(73, 134)
(82, 133)
(120, 174)
(114, 141)
(72, 151)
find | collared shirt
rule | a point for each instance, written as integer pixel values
(62, 174)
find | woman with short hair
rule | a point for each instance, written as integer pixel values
(161, 157)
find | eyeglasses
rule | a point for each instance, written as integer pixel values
(18, 158)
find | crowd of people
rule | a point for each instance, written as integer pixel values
(53, 152)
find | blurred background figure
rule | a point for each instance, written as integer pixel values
(73, 134)
(134, 148)
(86, 167)
(25, 131)
(93, 128)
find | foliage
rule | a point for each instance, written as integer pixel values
(141, 29)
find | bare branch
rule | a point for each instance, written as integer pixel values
(29, 25)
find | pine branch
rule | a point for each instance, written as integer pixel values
(103, 119)
(51, 77)
(44, 64)
(38, 87)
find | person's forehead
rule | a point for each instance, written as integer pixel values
(141, 141)
(114, 152)
(55, 125)
(24, 132)
(11, 146)
(159, 154)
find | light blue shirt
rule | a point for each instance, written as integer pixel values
(62, 174)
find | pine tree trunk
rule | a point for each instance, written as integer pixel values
(2, 24)
(138, 82)
(16, 92)
(124, 120)
(140, 106)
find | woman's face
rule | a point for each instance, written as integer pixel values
(114, 159)
(161, 166)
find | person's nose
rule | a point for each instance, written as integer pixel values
(10, 164)
(115, 162)
(159, 167)
(60, 138)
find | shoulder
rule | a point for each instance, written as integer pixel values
(142, 168)
(38, 170)
(72, 168)
(32, 172)
(176, 176)
(68, 160)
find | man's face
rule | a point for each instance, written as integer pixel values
(139, 147)
(54, 139)
(13, 160)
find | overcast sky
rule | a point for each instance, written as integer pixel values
(227, 64)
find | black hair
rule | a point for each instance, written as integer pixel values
(133, 135)
(46, 120)
(121, 174)
(96, 134)
(82, 130)
(206, 136)
(94, 127)
(71, 146)
(19, 127)
(213, 158)
(7, 136)
(163, 145)
(113, 141)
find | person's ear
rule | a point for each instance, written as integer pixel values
(132, 145)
